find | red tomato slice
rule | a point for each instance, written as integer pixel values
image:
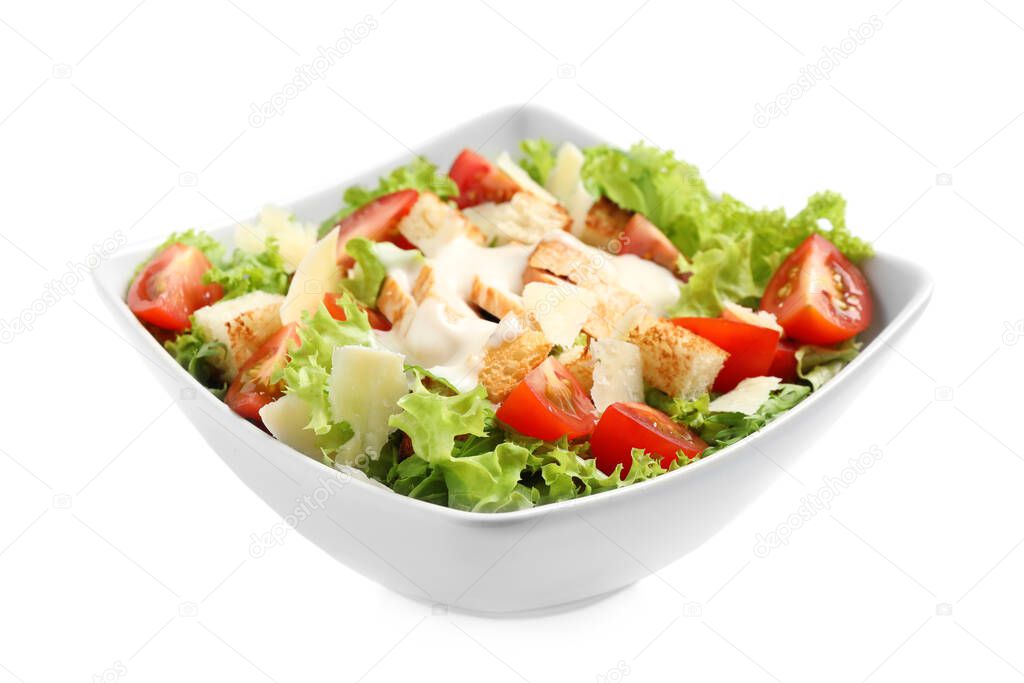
(643, 238)
(377, 321)
(480, 181)
(751, 347)
(625, 426)
(253, 388)
(549, 404)
(170, 288)
(818, 296)
(377, 221)
(784, 362)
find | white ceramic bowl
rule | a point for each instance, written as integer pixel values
(525, 560)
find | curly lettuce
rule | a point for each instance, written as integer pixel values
(734, 249)
(538, 158)
(818, 364)
(722, 429)
(418, 174)
(200, 357)
(246, 272)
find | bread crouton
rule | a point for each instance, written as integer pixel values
(580, 362)
(432, 223)
(498, 302)
(394, 301)
(574, 262)
(525, 218)
(507, 364)
(605, 224)
(241, 324)
(558, 260)
(675, 360)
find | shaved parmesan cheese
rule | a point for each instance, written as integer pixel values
(751, 317)
(363, 390)
(565, 183)
(522, 178)
(317, 274)
(560, 309)
(618, 372)
(747, 397)
(286, 418)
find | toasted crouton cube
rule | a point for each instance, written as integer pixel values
(531, 274)
(526, 218)
(394, 301)
(580, 362)
(498, 302)
(425, 284)
(675, 360)
(432, 223)
(507, 364)
(605, 223)
(240, 324)
(576, 263)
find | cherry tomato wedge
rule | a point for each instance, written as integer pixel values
(751, 347)
(549, 404)
(784, 362)
(625, 426)
(377, 321)
(253, 387)
(480, 181)
(643, 238)
(377, 221)
(170, 288)
(818, 296)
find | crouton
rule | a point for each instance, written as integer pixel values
(580, 362)
(574, 262)
(426, 283)
(531, 274)
(675, 360)
(605, 224)
(241, 324)
(506, 364)
(394, 301)
(525, 218)
(498, 302)
(431, 224)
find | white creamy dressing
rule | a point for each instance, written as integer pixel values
(446, 336)
(462, 259)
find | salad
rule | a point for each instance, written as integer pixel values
(516, 332)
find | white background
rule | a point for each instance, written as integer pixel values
(124, 540)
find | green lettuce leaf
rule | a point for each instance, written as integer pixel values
(819, 364)
(432, 421)
(246, 272)
(199, 357)
(309, 366)
(373, 261)
(722, 429)
(734, 248)
(368, 274)
(419, 174)
(538, 158)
